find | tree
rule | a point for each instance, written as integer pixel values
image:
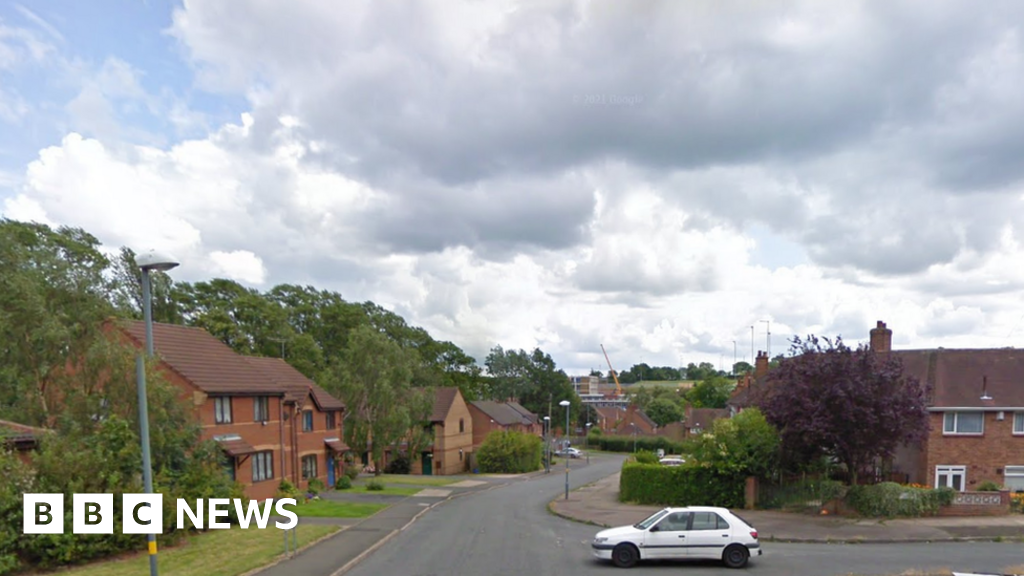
(373, 377)
(854, 405)
(712, 392)
(742, 367)
(664, 411)
(745, 444)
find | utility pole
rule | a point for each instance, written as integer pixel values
(751, 344)
(768, 337)
(733, 358)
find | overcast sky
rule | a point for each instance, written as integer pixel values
(654, 176)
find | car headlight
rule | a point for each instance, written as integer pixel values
(600, 540)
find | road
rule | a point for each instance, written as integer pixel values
(508, 532)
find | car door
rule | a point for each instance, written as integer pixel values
(709, 534)
(667, 538)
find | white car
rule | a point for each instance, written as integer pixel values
(672, 461)
(680, 533)
(573, 452)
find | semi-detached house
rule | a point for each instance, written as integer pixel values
(272, 422)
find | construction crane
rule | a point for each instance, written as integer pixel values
(618, 387)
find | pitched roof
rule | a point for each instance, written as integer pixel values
(611, 413)
(444, 397)
(206, 362)
(703, 418)
(643, 416)
(533, 418)
(502, 413)
(958, 378)
(296, 383)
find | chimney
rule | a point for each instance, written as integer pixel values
(761, 364)
(881, 338)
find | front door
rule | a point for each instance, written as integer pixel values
(330, 471)
(428, 463)
(668, 538)
(709, 534)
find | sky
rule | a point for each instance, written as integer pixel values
(673, 180)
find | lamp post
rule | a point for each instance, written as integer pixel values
(634, 436)
(566, 403)
(148, 262)
(586, 442)
(547, 445)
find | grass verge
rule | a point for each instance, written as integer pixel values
(332, 509)
(415, 480)
(214, 553)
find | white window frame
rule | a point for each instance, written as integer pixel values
(263, 466)
(1018, 423)
(948, 430)
(220, 414)
(1012, 472)
(951, 470)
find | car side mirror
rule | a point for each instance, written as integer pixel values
(654, 528)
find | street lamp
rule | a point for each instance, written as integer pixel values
(161, 262)
(634, 436)
(586, 442)
(566, 403)
(547, 445)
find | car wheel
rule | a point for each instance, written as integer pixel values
(735, 556)
(625, 555)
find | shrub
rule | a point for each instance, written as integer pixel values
(1017, 502)
(646, 457)
(352, 471)
(375, 485)
(746, 444)
(343, 483)
(510, 452)
(679, 486)
(811, 493)
(288, 490)
(625, 444)
(890, 499)
(988, 486)
(398, 465)
(316, 486)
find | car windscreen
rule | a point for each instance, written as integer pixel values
(650, 520)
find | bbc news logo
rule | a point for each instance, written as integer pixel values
(143, 513)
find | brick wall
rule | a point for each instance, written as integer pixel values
(985, 456)
(482, 426)
(449, 440)
(978, 504)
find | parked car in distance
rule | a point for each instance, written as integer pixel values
(573, 452)
(672, 461)
(697, 532)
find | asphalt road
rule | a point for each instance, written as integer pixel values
(508, 532)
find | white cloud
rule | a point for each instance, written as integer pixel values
(240, 265)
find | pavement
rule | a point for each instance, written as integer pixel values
(598, 504)
(358, 538)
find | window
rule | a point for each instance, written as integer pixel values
(963, 423)
(1018, 422)
(309, 467)
(708, 521)
(1013, 478)
(331, 421)
(229, 467)
(262, 466)
(954, 477)
(674, 522)
(261, 409)
(307, 421)
(222, 410)
(462, 426)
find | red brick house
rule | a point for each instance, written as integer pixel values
(489, 416)
(976, 413)
(699, 420)
(624, 421)
(452, 425)
(272, 422)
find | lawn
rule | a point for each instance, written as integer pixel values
(416, 480)
(332, 509)
(214, 553)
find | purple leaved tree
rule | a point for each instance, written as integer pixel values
(854, 405)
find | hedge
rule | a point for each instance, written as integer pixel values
(510, 452)
(890, 499)
(679, 486)
(625, 443)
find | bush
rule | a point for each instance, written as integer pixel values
(801, 494)
(398, 465)
(288, 490)
(510, 452)
(625, 444)
(352, 470)
(375, 485)
(316, 486)
(988, 486)
(679, 486)
(343, 483)
(890, 500)
(646, 457)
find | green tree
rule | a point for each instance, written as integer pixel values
(742, 367)
(373, 376)
(712, 392)
(746, 444)
(664, 411)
